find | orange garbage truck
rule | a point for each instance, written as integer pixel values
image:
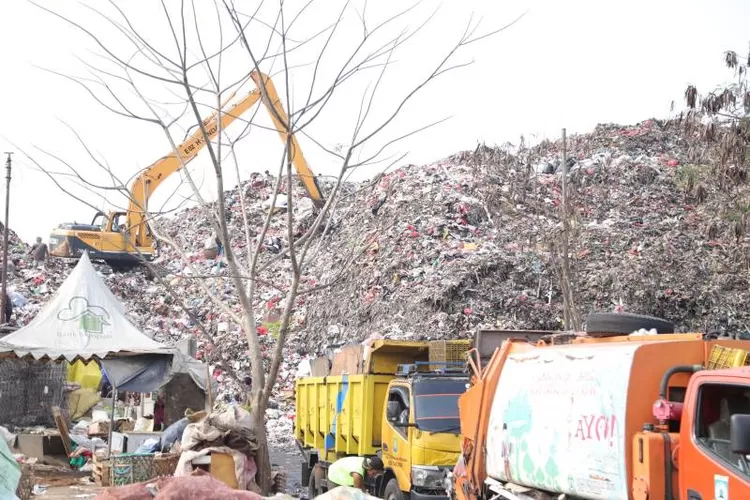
(606, 415)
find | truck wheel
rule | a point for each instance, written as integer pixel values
(312, 491)
(393, 491)
(625, 323)
(306, 472)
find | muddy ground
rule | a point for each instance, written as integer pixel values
(289, 460)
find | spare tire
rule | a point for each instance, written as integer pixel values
(625, 323)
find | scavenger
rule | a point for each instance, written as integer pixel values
(350, 471)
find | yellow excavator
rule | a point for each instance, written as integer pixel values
(123, 239)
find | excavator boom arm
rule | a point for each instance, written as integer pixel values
(150, 178)
(280, 119)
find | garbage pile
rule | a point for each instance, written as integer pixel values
(436, 251)
(16, 246)
(474, 241)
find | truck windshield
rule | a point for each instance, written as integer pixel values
(436, 404)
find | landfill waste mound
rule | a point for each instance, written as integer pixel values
(436, 251)
(474, 241)
(17, 249)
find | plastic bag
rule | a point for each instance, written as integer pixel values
(345, 493)
(198, 433)
(199, 487)
(150, 445)
(136, 491)
(173, 433)
(232, 418)
(304, 368)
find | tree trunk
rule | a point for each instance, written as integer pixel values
(262, 458)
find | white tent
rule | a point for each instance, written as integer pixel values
(83, 320)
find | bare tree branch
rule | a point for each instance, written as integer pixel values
(199, 72)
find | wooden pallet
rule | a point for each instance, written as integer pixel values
(102, 473)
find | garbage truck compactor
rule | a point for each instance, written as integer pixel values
(397, 404)
(652, 417)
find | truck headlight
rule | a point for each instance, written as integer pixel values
(427, 476)
(448, 483)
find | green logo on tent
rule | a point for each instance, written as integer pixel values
(91, 319)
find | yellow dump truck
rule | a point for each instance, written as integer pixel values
(395, 401)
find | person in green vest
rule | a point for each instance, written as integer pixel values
(351, 471)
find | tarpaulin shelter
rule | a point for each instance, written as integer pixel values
(84, 320)
(190, 386)
(184, 364)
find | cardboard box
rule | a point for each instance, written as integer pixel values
(348, 361)
(118, 442)
(38, 445)
(320, 367)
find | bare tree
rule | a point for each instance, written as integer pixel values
(722, 119)
(198, 71)
(570, 311)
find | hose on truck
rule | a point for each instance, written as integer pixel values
(664, 384)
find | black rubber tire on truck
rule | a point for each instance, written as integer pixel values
(393, 491)
(319, 488)
(313, 492)
(306, 472)
(606, 324)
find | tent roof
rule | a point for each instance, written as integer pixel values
(83, 320)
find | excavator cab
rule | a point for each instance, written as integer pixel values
(104, 221)
(116, 222)
(106, 238)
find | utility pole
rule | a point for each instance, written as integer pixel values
(5, 235)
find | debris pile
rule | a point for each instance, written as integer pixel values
(474, 241)
(439, 250)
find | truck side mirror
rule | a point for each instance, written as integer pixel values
(392, 410)
(739, 433)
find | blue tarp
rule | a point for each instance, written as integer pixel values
(142, 373)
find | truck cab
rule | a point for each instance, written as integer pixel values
(698, 445)
(408, 417)
(420, 435)
(714, 443)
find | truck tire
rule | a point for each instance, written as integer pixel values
(393, 491)
(317, 484)
(625, 323)
(305, 472)
(313, 491)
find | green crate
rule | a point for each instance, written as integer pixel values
(132, 468)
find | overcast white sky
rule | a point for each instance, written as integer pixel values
(571, 64)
